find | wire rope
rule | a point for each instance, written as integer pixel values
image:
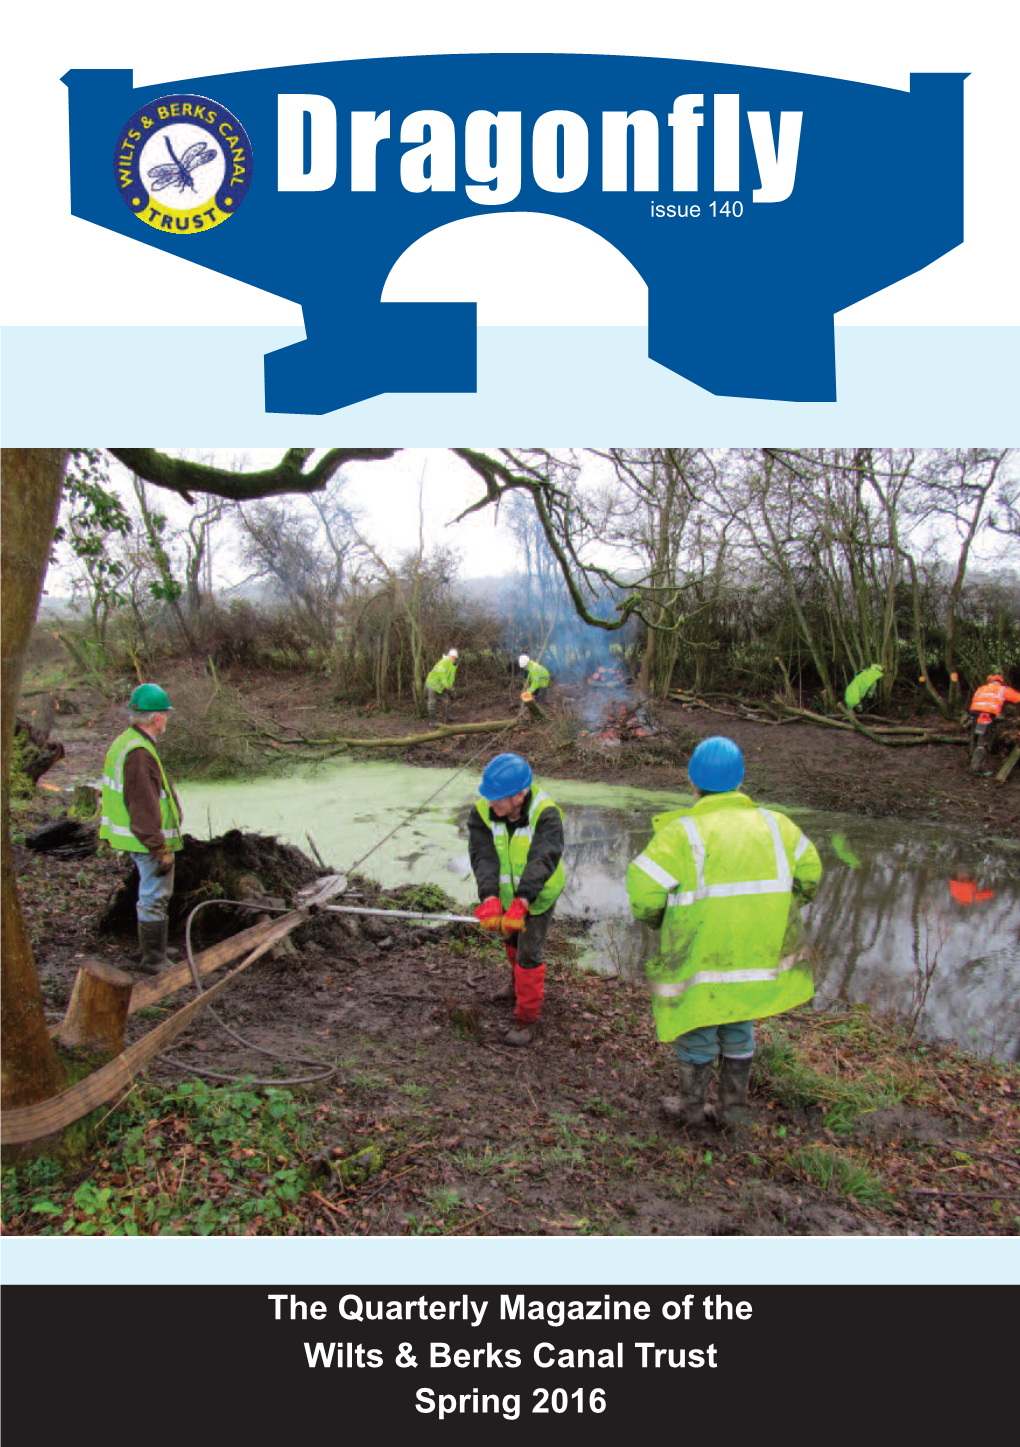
(322, 1072)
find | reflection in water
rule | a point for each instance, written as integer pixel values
(897, 903)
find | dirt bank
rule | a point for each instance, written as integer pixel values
(791, 763)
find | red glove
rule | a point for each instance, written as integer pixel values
(489, 913)
(516, 916)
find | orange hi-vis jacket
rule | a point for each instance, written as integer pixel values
(991, 697)
(965, 891)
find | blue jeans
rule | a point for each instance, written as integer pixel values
(700, 1047)
(154, 890)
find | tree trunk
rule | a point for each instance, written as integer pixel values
(29, 499)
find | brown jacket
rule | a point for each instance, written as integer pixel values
(142, 785)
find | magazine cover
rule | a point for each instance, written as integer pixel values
(492, 869)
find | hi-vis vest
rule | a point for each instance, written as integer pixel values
(512, 851)
(442, 676)
(990, 698)
(538, 677)
(726, 877)
(116, 825)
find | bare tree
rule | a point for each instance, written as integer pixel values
(309, 555)
(30, 491)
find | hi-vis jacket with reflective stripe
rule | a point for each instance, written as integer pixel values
(512, 852)
(442, 676)
(724, 880)
(991, 697)
(116, 825)
(538, 677)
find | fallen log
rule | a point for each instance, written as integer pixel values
(881, 736)
(694, 701)
(410, 741)
(878, 736)
(890, 737)
(1008, 766)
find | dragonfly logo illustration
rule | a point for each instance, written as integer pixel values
(178, 173)
(183, 164)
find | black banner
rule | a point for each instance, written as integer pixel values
(456, 1362)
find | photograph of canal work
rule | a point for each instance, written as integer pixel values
(443, 842)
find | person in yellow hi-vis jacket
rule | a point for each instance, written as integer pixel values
(515, 840)
(142, 815)
(439, 685)
(538, 677)
(724, 880)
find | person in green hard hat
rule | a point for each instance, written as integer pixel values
(142, 815)
(724, 882)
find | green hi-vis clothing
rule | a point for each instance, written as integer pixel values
(442, 676)
(858, 688)
(116, 824)
(538, 677)
(512, 852)
(724, 879)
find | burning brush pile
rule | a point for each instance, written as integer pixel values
(623, 723)
(614, 711)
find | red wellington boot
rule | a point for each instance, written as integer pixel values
(530, 989)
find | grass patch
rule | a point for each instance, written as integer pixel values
(832, 1169)
(843, 1066)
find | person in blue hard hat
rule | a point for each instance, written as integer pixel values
(723, 882)
(515, 839)
(142, 816)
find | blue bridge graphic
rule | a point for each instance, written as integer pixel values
(741, 306)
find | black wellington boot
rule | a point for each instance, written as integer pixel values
(689, 1105)
(152, 936)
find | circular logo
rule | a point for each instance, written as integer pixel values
(183, 164)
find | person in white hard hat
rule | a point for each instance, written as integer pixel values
(537, 680)
(439, 685)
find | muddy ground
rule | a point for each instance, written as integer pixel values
(853, 1128)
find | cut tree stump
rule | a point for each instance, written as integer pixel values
(85, 801)
(98, 1009)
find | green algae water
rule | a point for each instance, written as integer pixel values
(908, 918)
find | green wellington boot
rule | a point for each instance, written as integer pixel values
(734, 1077)
(689, 1105)
(152, 936)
